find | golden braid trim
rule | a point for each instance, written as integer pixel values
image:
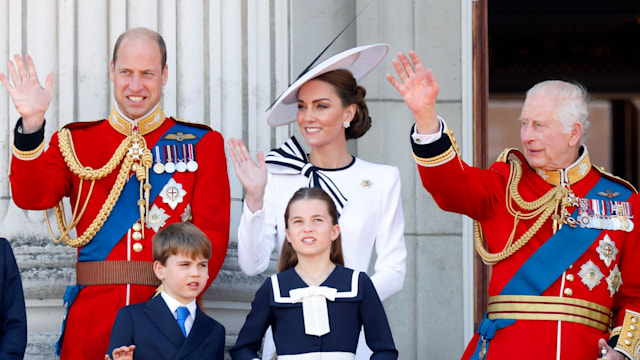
(27, 155)
(87, 173)
(542, 208)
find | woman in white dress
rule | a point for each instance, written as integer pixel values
(330, 109)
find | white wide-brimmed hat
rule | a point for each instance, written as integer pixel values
(359, 60)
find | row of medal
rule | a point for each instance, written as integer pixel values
(172, 158)
(605, 214)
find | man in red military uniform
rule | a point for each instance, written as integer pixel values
(560, 233)
(127, 177)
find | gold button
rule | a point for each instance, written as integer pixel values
(137, 236)
(568, 292)
(632, 327)
(634, 319)
(627, 342)
(137, 226)
(137, 247)
(630, 334)
(570, 277)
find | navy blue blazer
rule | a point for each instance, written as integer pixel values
(155, 332)
(13, 317)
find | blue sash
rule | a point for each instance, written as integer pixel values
(538, 273)
(126, 212)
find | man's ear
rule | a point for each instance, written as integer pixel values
(575, 134)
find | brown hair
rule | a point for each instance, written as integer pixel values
(139, 33)
(180, 238)
(349, 93)
(288, 256)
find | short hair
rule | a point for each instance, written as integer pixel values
(288, 256)
(349, 93)
(140, 32)
(180, 238)
(573, 103)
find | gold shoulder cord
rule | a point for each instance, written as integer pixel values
(132, 148)
(541, 208)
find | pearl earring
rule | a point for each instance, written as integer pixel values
(346, 124)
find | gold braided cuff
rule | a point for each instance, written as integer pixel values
(437, 153)
(629, 336)
(615, 332)
(436, 160)
(28, 155)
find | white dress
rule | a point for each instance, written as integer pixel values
(372, 217)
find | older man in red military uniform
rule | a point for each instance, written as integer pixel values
(559, 231)
(126, 177)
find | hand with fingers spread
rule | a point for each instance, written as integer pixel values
(252, 175)
(419, 90)
(29, 97)
(122, 353)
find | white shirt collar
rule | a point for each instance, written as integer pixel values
(173, 304)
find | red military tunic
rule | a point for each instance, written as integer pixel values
(39, 180)
(604, 277)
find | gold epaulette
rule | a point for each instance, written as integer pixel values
(620, 180)
(629, 335)
(504, 156)
(200, 125)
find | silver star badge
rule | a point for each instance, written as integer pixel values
(607, 250)
(614, 280)
(590, 274)
(172, 193)
(156, 218)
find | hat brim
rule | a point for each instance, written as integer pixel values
(359, 60)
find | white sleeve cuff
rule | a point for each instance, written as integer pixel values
(423, 139)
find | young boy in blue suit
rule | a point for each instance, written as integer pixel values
(181, 252)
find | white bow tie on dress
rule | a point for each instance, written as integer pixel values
(314, 307)
(290, 158)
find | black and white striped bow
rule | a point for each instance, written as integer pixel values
(291, 159)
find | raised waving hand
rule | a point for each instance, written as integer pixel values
(419, 90)
(252, 175)
(29, 97)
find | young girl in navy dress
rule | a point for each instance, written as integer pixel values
(315, 305)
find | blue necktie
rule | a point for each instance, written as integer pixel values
(182, 313)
